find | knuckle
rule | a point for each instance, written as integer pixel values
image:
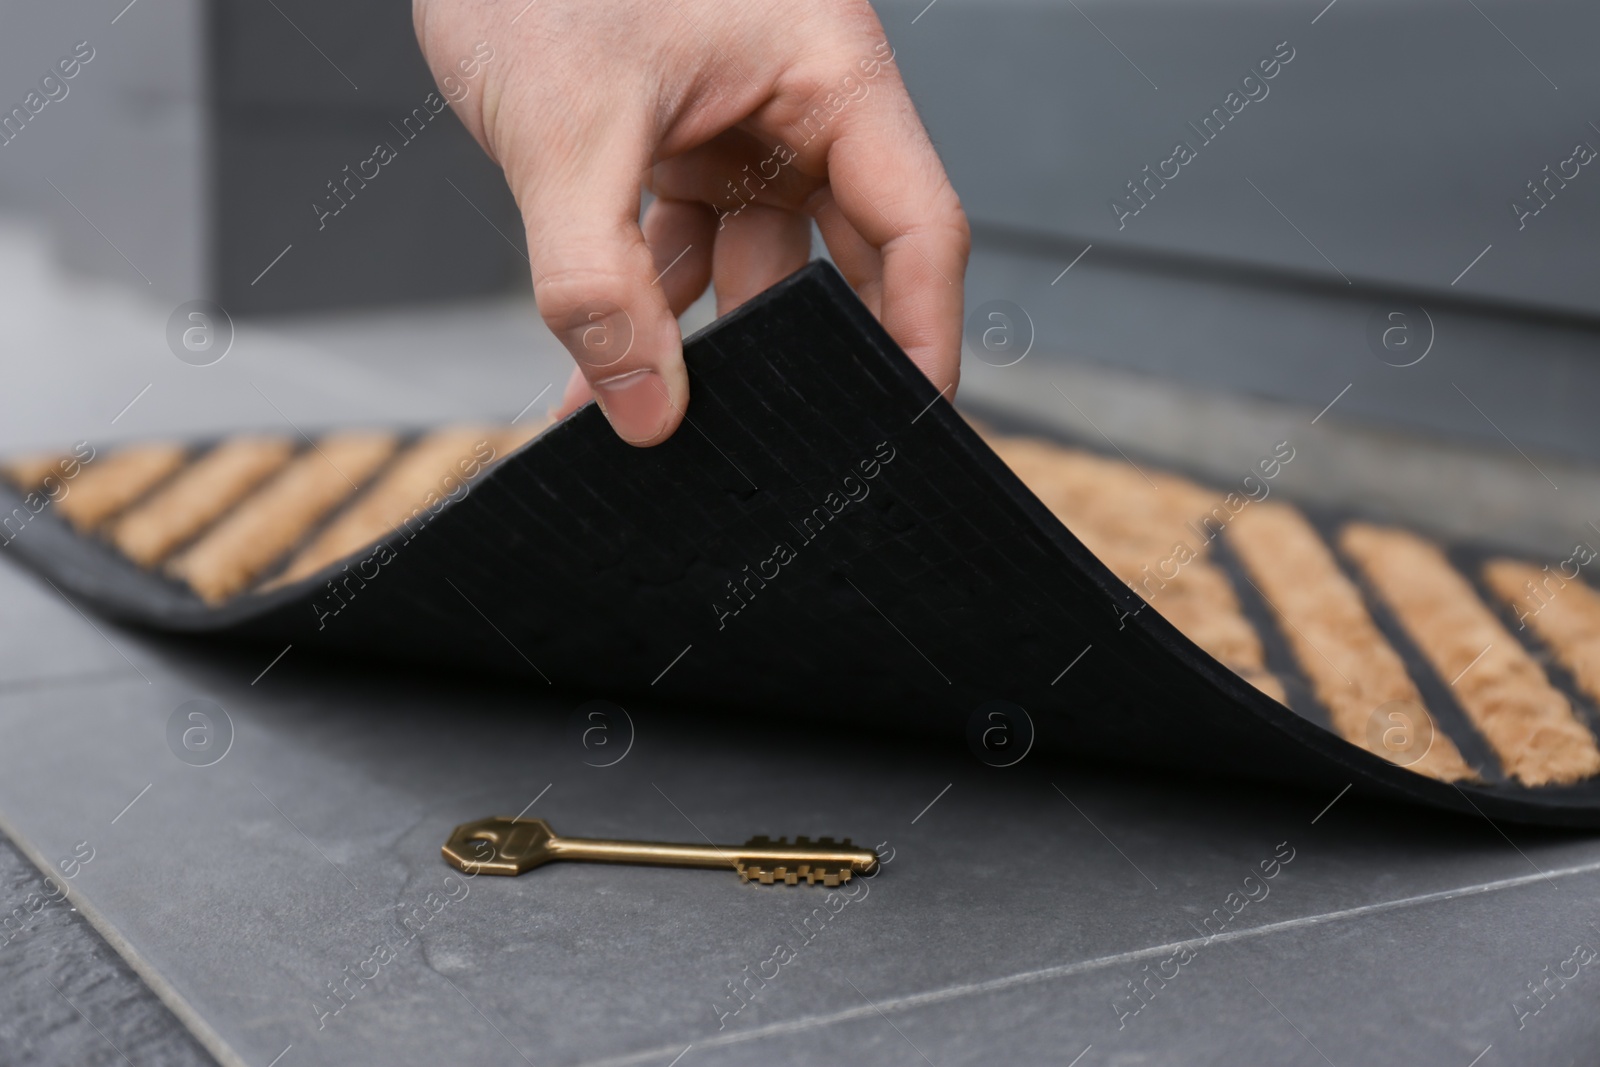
(944, 222)
(960, 231)
(586, 307)
(567, 294)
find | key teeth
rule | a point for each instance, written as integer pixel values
(812, 873)
(791, 873)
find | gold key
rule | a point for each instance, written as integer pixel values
(510, 846)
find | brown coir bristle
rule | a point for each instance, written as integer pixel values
(197, 497)
(1355, 672)
(108, 485)
(1528, 723)
(271, 521)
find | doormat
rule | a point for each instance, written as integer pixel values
(825, 536)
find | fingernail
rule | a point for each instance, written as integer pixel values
(636, 403)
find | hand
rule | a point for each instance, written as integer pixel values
(747, 119)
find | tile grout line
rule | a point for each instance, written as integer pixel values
(164, 991)
(44, 683)
(1067, 970)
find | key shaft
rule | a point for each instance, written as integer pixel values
(599, 850)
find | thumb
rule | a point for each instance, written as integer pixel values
(595, 283)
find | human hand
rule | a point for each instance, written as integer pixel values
(747, 119)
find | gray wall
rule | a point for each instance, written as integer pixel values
(1394, 140)
(197, 139)
(126, 145)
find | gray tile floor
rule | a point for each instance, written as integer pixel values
(66, 996)
(1019, 905)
